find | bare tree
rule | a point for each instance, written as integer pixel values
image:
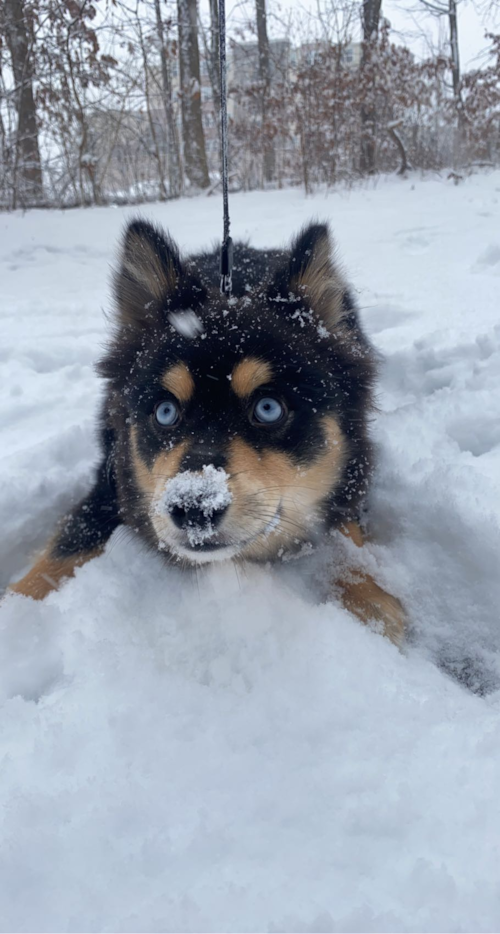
(371, 20)
(174, 162)
(156, 148)
(265, 83)
(101, 80)
(210, 51)
(214, 52)
(448, 9)
(73, 76)
(195, 158)
(27, 169)
(454, 53)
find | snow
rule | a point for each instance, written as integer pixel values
(207, 492)
(230, 754)
(186, 323)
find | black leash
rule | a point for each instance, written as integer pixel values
(226, 253)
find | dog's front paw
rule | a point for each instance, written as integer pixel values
(362, 596)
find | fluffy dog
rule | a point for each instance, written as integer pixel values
(232, 428)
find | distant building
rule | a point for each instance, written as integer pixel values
(351, 55)
(244, 72)
(130, 147)
(311, 52)
(244, 61)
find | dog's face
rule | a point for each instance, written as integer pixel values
(236, 415)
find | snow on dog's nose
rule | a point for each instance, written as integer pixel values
(197, 501)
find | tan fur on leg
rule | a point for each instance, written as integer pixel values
(48, 573)
(362, 596)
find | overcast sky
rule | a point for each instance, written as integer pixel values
(417, 29)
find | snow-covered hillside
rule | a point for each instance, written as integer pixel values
(231, 756)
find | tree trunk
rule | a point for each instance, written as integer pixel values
(157, 155)
(28, 182)
(195, 158)
(210, 41)
(455, 69)
(265, 82)
(455, 59)
(214, 52)
(371, 19)
(392, 130)
(174, 162)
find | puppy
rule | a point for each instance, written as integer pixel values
(232, 428)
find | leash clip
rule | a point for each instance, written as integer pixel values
(226, 266)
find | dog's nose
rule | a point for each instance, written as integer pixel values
(194, 518)
(197, 501)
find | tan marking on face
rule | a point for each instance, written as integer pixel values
(248, 375)
(49, 572)
(167, 463)
(262, 485)
(179, 382)
(264, 482)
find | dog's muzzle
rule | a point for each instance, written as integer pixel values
(196, 502)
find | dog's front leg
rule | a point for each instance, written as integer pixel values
(82, 535)
(49, 572)
(362, 596)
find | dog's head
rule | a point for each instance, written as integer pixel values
(242, 421)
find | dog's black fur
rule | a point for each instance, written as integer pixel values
(289, 337)
(321, 369)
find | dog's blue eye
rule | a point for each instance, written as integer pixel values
(268, 410)
(166, 413)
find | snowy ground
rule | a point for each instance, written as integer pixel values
(233, 757)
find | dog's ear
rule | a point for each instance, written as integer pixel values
(310, 272)
(149, 275)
